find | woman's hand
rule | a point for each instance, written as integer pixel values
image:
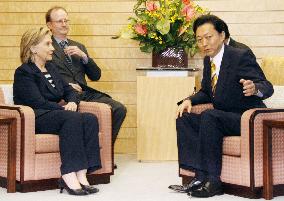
(70, 106)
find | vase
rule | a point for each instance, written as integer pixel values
(171, 57)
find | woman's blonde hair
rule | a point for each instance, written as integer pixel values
(30, 38)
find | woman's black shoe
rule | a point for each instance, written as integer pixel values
(62, 185)
(89, 189)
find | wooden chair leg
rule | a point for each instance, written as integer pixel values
(267, 163)
(12, 145)
(267, 156)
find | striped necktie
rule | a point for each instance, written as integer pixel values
(63, 44)
(214, 78)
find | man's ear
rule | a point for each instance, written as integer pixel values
(48, 24)
(223, 35)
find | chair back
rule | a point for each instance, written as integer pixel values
(6, 94)
(273, 68)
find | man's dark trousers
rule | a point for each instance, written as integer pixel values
(118, 109)
(200, 139)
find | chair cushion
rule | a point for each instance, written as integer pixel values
(47, 143)
(232, 145)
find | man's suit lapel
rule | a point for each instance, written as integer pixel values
(207, 69)
(59, 53)
(223, 74)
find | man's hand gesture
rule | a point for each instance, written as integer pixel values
(74, 50)
(248, 87)
(186, 105)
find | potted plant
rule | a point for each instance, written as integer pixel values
(164, 27)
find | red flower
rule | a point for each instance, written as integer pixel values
(141, 29)
(189, 12)
(186, 2)
(152, 5)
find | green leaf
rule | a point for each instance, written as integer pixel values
(147, 48)
(127, 33)
(169, 38)
(163, 26)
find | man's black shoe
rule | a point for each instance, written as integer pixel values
(208, 189)
(193, 185)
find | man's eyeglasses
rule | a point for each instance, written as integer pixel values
(65, 21)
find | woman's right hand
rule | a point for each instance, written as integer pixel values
(70, 106)
(186, 105)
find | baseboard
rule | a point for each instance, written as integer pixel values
(49, 184)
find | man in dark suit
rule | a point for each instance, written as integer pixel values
(233, 82)
(74, 63)
(230, 41)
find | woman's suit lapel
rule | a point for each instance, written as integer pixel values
(40, 75)
(55, 76)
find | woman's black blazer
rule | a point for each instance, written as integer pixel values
(31, 88)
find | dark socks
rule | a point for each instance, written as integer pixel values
(200, 175)
(214, 180)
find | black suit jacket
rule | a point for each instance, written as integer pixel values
(31, 88)
(76, 74)
(236, 64)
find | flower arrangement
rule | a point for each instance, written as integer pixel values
(163, 23)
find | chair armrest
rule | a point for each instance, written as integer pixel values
(103, 113)
(252, 139)
(201, 107)
(25, 132)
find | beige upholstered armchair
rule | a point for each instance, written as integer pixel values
(243, 172)
(37, 156)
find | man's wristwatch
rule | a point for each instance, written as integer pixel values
(256, 90)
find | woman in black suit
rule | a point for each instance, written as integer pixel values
(37, 84)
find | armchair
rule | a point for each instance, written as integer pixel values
(243, 173)
(37, 156)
